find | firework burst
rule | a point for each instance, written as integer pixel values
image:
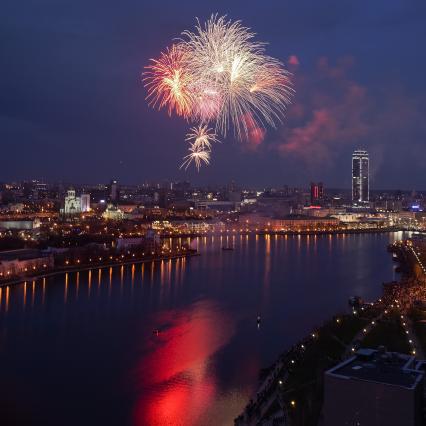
(196, 155)
(218, 75)
(167, 81)
(202, 137)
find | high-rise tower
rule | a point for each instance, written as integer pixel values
(317, 193)
(360, 177)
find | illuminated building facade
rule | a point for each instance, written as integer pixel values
(360, 177)
(72, 204)
(317, 193)
(113, 213)
(75, 205)
(113, 191)
(22, 261)
(85, 202)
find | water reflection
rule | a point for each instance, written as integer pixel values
(66, 288)
(24, 303)
(268, 251)
(266, 275)
(110, 282)
(7, 299)
(32, 294)
(175, 378)
(43, 291)
(99, 278)
(77, 284)
(89, 283)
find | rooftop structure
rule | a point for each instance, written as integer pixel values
(374, 387)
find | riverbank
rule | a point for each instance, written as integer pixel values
(240, 231)
(80, 268)
(332, 231)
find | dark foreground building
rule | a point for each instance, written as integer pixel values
(375, 388)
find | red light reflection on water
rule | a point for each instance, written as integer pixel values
(176, 378)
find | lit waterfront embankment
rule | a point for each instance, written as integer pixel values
(95, 265)
(332, 231)
(241, 231)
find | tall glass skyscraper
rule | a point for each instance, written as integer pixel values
(360, 177)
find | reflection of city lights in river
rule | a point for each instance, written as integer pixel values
(177, 367)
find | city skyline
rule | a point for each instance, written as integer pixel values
(80, 100)
(194, 184)
(360, 182)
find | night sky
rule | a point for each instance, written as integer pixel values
(72, 105)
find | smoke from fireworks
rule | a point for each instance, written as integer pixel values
(217, 76)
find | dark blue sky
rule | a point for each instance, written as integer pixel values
(72, 103)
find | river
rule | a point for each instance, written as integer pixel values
(174, 342)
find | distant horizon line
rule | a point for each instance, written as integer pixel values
(240, 185)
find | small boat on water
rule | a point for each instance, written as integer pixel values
(227, 248)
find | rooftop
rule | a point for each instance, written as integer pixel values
(378, 366)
